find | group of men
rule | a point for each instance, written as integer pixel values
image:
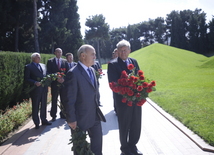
(34, 73)
(80, 95)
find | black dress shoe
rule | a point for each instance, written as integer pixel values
(53, 119)
(126, 153)
(37, 127)
(136, 152)
(46, 123)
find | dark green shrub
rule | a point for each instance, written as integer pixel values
(12, 76)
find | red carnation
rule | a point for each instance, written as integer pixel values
(132, 78)
(137, 95)
(142, 77)
(116, 89)
(141, 102)
(122, 91)
(124, 74)
(111, 85)
(124, 82)
(139, 88)
(124, 100)
(129, 103)
(130, 84)
(145, 84)
(119, 81)
(134, 86)
(130, 93)
(153, 83)
(136, 79)
(130, 66)
(149, 90)
(127, 89)
(140, 72)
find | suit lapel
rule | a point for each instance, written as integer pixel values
(35, 67)
(54, 63)
(122, 64)
(85, 75)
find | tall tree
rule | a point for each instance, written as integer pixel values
(197, 31)
(173, 23)
(211, 35)
(146, 33)
(60, 26)
(133, 36)
(73, 41)
(35, 26)
(98, 30)
(159, 30)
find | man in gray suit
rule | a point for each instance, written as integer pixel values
(81, 98)
(33, 74)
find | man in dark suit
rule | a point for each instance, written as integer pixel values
(54, 65)
(129, 118)
(33, 74)
(96, 65)
(81, 98)
(69, 58)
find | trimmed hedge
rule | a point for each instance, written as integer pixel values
(12, 76)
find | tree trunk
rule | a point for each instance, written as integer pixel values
(35, 24)
(98, 51)
(17, 38)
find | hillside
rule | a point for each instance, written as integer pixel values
(185, 85)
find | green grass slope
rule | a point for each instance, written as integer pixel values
(185, 85)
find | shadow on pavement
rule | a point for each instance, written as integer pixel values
(111, 122)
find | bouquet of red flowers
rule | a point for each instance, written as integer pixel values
(134, 89)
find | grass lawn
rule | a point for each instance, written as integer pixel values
(185, 85)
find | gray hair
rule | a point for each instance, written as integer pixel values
(58, 49)
(34, 55)
(83, 49)
(123, 43)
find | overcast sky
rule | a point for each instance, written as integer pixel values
(119, 13)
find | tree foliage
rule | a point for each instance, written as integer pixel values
(58, 25)
(98, 31)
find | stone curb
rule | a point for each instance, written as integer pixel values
(191, 135)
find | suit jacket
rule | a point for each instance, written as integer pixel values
(96, 65)
(53, 68)
(32, 74)
(72, 64)
(81, 97)
(115, 67)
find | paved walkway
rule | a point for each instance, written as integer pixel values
(161, 134)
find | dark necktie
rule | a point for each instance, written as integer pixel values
(39, 67)
(70, 65)
(58, 64)
(91, 76)
(127, 62)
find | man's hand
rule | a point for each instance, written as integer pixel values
(38, 84)
(73, 125)
(60, 80)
